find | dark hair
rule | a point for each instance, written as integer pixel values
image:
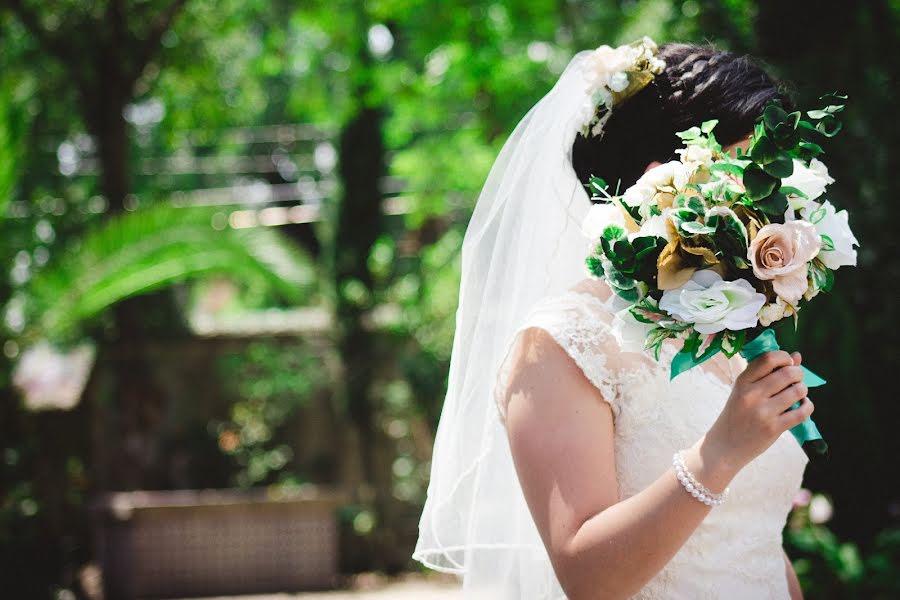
(699, 83)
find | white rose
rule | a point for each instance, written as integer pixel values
(810, 180)
(599, 216)
(834, 224)
(712, 304)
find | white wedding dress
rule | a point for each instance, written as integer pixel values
(736, 552)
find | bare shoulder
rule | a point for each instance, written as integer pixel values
(561, 438)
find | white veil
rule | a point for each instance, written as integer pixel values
(523, 242)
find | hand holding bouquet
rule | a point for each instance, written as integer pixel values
(712, 248)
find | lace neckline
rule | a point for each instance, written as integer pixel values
(669, 350)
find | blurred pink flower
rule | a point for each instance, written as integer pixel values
(52, 379)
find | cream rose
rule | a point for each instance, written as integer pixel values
(780, 253)
(599, 216)
(776, 311)
(668, 178)
(695, 156)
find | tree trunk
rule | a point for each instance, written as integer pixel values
(358, 223)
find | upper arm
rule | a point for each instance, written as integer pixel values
(560, 430)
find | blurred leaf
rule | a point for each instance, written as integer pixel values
(138, 252)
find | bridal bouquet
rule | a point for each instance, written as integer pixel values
(713, 248)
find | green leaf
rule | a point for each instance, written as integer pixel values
(149, 249)
(758, 183)
(643, 243)
(773, 115)
(733, 341)
(785, 136)
(655, 339)
(827, 242)
(613, 232)
(690, 134)
(789, 190)
(817, 215)
(726, 167)
(833, 98)
(695, 204)
(696, 228)
(781, 167)
(598, 185)
(764, 150)
(829, 126)
(595, 266)
(708, 126)
(773, 205)
(808, 151)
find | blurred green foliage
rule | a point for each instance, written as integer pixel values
(451, 79)
(269, 382)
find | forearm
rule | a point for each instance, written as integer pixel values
(617, 551)
(793, 583)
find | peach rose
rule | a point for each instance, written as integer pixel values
(780, 252)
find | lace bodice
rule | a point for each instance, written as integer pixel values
(736, 552)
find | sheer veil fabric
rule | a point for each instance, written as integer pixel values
(523, 243)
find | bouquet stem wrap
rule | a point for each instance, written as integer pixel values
(806, 433)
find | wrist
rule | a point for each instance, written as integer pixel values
(711, 465)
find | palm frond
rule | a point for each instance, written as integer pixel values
(139, 252)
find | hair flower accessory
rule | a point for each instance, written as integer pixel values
(614, 74)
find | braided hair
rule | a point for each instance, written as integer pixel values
(699, 83)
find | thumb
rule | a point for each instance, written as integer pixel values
(797, 358)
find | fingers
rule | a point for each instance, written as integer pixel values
(781, 378)
(792, 418)
(797, 358)
(765, 363)
(784, 399)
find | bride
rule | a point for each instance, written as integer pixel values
(566, 462)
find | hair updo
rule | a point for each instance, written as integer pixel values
(699, 83)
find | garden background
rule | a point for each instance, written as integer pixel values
(253, 210)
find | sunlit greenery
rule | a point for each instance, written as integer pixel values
(253, 142)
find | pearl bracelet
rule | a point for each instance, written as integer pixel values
(694, 487)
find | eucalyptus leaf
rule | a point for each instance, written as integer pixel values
(773, 115)
(774, 206)
(764, 150)
(829, 126)
(781, 167)
(758, 183)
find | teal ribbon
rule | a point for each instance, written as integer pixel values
(806, 433)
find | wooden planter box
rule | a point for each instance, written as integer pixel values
(216, 542)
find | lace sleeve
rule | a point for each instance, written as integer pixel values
(580, 325)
